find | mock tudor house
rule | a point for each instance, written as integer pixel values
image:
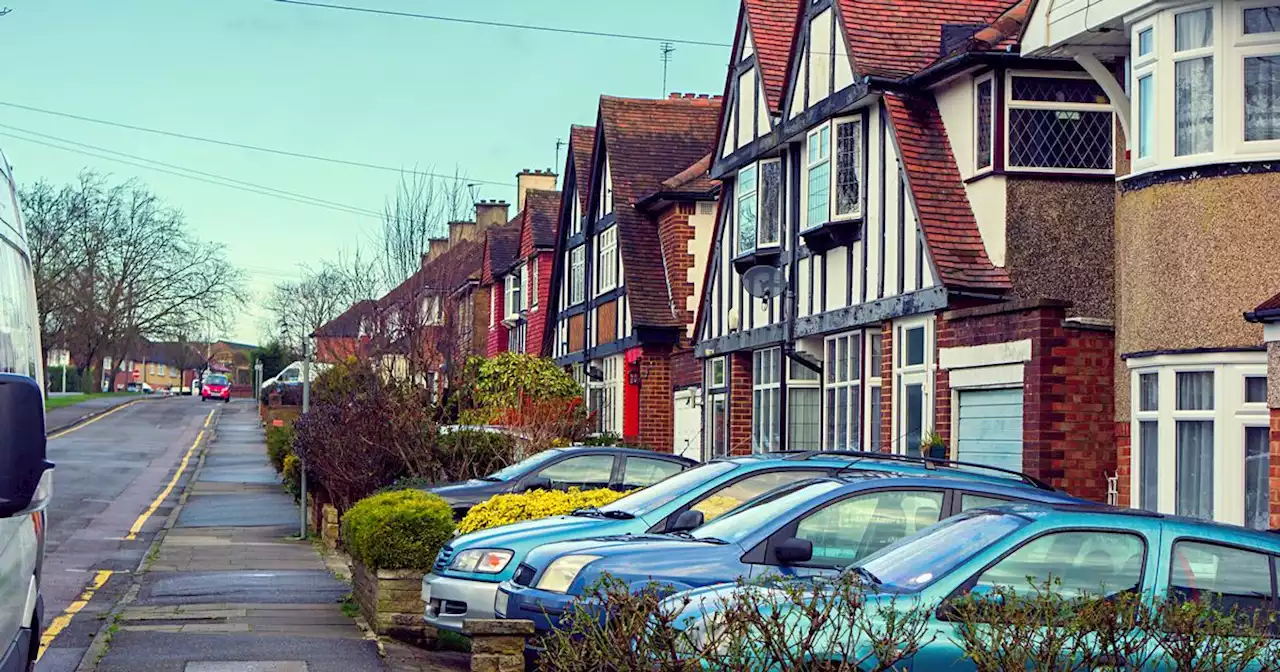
(635, 227)
(346, 335)
(518, 267)
(913, 247)
(1196, 88)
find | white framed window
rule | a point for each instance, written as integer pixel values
(577, 275)
(604, 393)
(1193, 96)
(1258, 45)
(913, 359)
(716, 410)
(984, 116)
(1144, 105)
(804, 407)
(533, 283)
(1058, 121)
(512, 297)
(848, 173)
(818, 177)
(607, 260)
(1196, 436)
(843, 368)
(493, 306)
(874, 399)
(766, 390)
(575, 217)
(516, 338)
(431, 311)
(606, 192)
(759, 206)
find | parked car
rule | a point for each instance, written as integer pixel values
(217, 387)
(1094, 550)
(585, 467)
(809, 528)
(292, 374)
(466, 574)
(26, 476)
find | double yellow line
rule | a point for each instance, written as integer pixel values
(57, 625)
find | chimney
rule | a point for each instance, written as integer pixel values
(533, 179)
(491, 213)
(435, 248)
(460, 231)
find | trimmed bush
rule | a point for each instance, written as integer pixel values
(397, 530)
(279, 444)
(292, 475)
(507, 509)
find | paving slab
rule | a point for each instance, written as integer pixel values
(255, 586)
(238, 510)
(150, 651)
(249, 666)
(239, 474)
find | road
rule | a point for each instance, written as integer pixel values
(116, 481)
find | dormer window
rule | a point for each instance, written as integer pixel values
(759, 206)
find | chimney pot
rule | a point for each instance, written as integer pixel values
(532, 179)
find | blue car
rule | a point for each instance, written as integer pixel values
(1098, 551)
(812, 527)
(464, 580)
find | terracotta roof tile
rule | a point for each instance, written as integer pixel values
(648, 141)
(582, 143)
(694, 179)
(773, 29)
(896, 38)
(347, 325)
(541, 214)
(1267, 311)
(502, 246)
(942, 206)
(447, 272)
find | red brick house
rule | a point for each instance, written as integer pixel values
(346, 335)
(519, 279)
(914, 244)
(629, 257)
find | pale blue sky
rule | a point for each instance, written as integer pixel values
(373, 89)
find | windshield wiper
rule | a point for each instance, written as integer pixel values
(690, 537)
(588, 512)
(491, 479)
(617, 515)
(866, 574)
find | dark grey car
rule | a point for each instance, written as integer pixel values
(586, 467)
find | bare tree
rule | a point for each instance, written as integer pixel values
(420, 210)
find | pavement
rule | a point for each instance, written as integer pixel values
(228, 587)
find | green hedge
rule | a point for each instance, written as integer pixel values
(279, 445)
(397, 530)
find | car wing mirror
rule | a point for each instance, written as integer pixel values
(25, 475)
(687, 520)
(794, 550)
(536, 483)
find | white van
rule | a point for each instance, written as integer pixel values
(293, 374)
(26, 477)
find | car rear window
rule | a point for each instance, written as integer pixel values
(216, 380)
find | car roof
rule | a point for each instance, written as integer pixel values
(890, 462)
(862, 479)
(1055, 514)
(630, 452)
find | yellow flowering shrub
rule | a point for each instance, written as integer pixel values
(507, 509)
(715, 506)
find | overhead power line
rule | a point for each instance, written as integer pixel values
(501, 24)
(226, 182)
(240, 145)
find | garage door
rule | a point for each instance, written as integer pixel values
(990, 428)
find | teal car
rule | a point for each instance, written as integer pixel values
(1089, 550)
(463, 583)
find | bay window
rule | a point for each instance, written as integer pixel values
(759, 206)
(833, 179)
(766, 383)
(818, 177)
(1058, 122)
(848, 183)
(577, 275)
(843, 367)
(607, 260)
(1198, 436)
(1193, 82)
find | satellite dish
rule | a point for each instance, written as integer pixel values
(764, 282)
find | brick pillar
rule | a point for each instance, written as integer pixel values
(946, 338)
(497, 645)
(657, 411)
(1124, 468)
(887, 439)
(1275, 469)
(674, 234)
(740, 403)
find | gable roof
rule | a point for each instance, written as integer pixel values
(582, 140)
(647, 141)
(540, 216)
(773, 29)
(950, 229)
(502, 246)
(1267, 311)
(347, 325)
(447, 272)
(896, 38)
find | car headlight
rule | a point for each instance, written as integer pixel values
(561, 573)
(482, 560)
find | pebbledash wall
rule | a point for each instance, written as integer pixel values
(1194, 251)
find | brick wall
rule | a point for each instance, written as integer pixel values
(740, 403)
(538, 319)
(674, 233)
(1069, 433)
(657, 412)
(886, 388)
(1124, 471)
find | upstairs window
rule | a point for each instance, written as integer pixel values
(818, 173)
(848, 182)
(984, 119)
(512, 297)
(577, 275)
(606, 192)
(575, 218)
(1059, 123)
(533, 282)
(431, 311)
(1193, 82)
(759, 206)
(607, 263)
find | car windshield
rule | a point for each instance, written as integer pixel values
(916, 562)
(739, 523)
(523, 466)
(215, 380)
(666, 490)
